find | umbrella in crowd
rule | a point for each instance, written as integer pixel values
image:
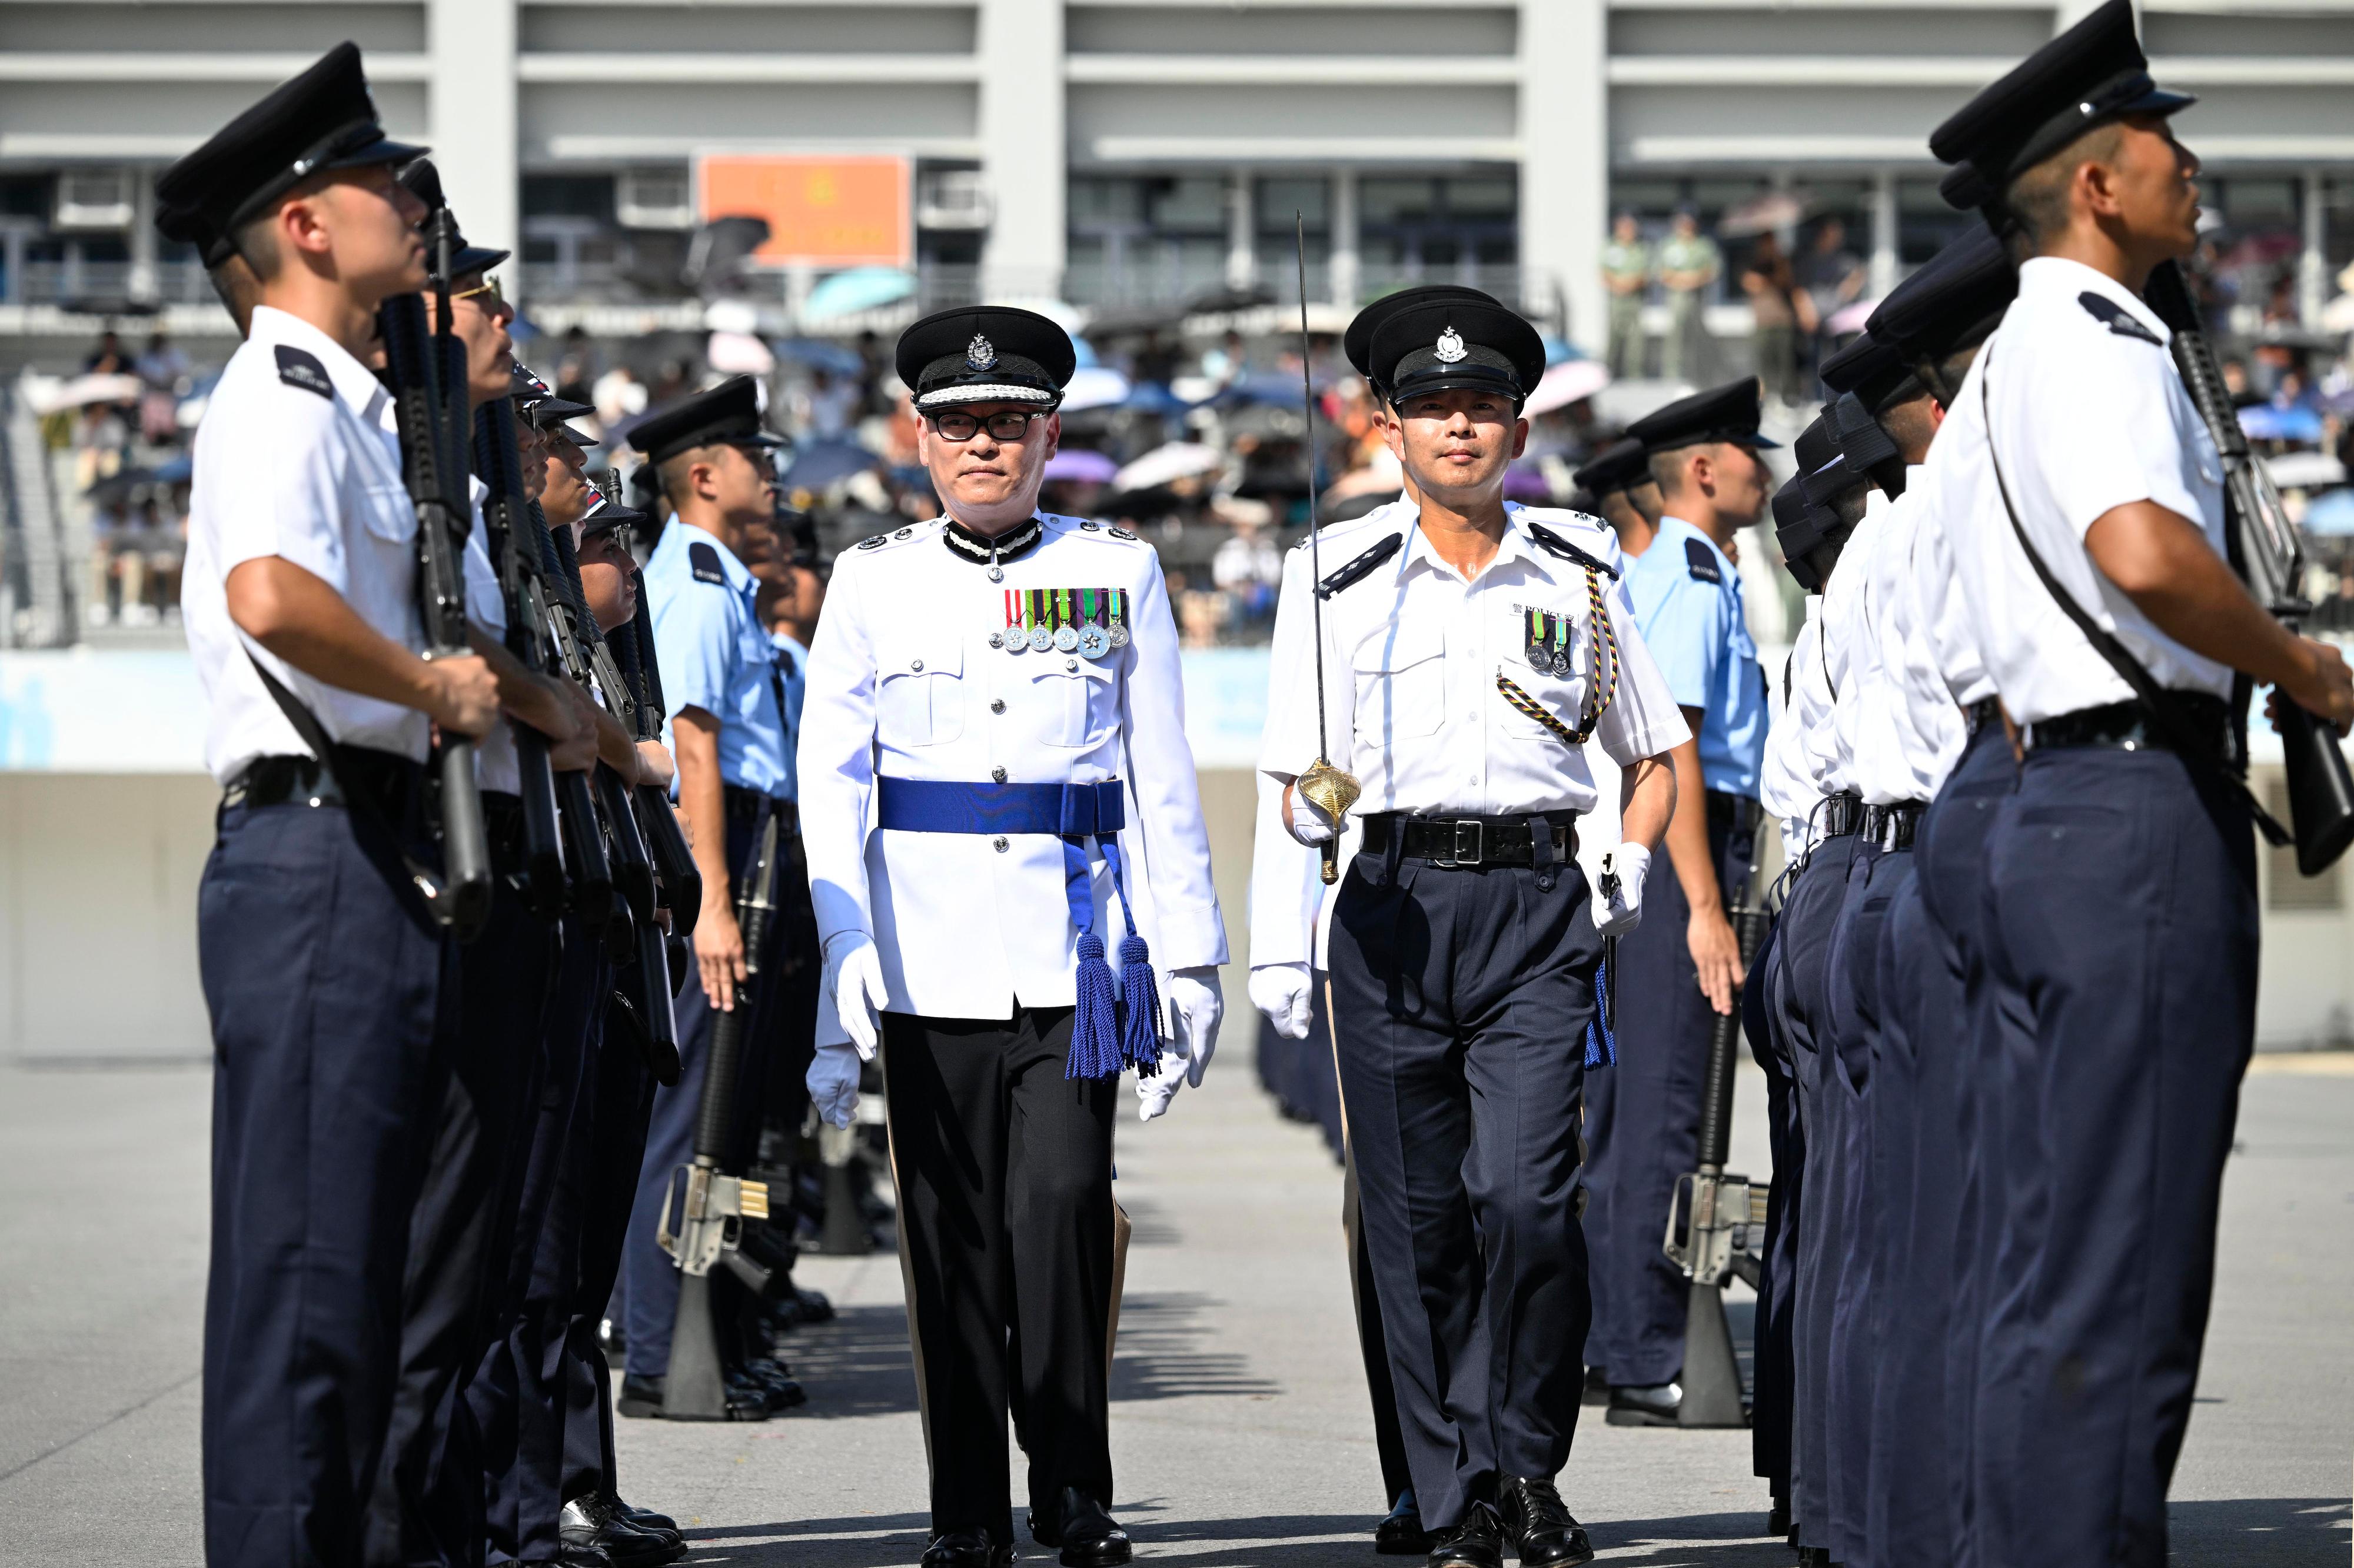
(1076, 465)
(847, 294)
(1167, 465)
(1094, 388)
(1571, 381)
(826, 462)
(2332, 513)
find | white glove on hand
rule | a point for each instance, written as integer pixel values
(1280, 990)
(853, 978)
(1309, 822)
(1195, 1007)
(833, 1083)
(1619, 909)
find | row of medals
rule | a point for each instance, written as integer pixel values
(1546, 654)
(1092, 641)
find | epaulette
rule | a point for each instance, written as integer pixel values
(1360, 567)
(1569, 552)
(1703, 562)
(2116, 318)
(301, 367)
(704, 562)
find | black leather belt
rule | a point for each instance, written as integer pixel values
(2128, 726)
(391, 780)
(750, 805)
(1892, 827)
(1982, 713)
(1842, 814)
(1453, 843)
(1739, 813)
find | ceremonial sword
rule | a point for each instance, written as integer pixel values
(1325, 787)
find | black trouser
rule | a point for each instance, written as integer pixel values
(1775, 1382)
(427, 1506)
(1004, 1168)
(1389, 1440)
(1642, 1123)
(616, 1147)
(1460, 1000)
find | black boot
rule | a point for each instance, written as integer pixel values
(1401, 1535)
(588, 1522)
(1657, 1407)
(966, 1548)
(1084, 1528)
(1538, 1523)
(644, 1519)
(1477, 1543)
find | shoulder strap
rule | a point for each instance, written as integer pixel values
(2154, 698)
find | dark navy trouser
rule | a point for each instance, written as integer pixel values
(1773, 1380)
(1642, 1126)
(623, 1092)
(1460, 1000)
(334, 1002)
(2122, 893)
(1372, 1345)
(1803, 941)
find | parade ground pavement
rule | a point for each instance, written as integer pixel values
(1239, 1424)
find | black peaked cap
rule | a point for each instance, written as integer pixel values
(322, 119)
(608, 515)
(1815, 445)
(1619, 466)
(1862, 442)
(728, 414)
(986, 354)
(543, 409)
(1726, 413)
(1871, 367)
(1444, 343)
(1357, 342)
(1801, 525)
(1955, 298)
(424, 182)
(2093, 73)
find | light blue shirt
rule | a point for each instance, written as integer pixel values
(792, 675)
(716, 657)
(1687, 599)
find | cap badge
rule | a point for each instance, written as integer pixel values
(1450, 349)
(981, 354)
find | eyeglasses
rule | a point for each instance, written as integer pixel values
(1009, 426)
(487, 286)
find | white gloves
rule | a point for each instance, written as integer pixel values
(1619, 891)
(1309, 822)
(1281, 992)
(1195, 1007)
(853, 978)
(833, 1081)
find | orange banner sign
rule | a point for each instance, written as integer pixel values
(822, 209)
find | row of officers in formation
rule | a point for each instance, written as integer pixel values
(544, 884)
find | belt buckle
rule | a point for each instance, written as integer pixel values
(1474, 833)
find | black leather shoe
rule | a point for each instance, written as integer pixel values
(1657, 1407)
(1401, 1535)
(1084, 1530)
(1538, 1523)
(643, 1518)
(587, 1522)
(642, 1396)
(1777, 1519)
(966, 1548)
(1477, 1543)
(783, 1391)
(1597, 1387)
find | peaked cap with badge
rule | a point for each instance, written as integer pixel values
(543, 409)
(1357, 342)
(986, 354)
(424, 182)
(725, 415)
(322, 119)
(1444, 345)
(1728, 413)
(1621, 465)
(2090, 75)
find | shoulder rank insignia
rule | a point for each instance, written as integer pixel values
(2116, 318)
(704, 560)
(1569, 552)
(1703, 562)
(875, 543)
(1127, 533)
(301, 367)
(1362, 567)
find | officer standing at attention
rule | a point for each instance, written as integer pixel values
(1465, 663)
(994, 762)
(2088, 494)
(726, 732)
(331, 987)
(1643, 1121)
(1620, 479)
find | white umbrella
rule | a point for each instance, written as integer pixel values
(1571, 381)
(1094, 387)
(47, 395)
(2306, 471)
(1166, 466)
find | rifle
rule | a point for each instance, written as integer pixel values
(680, 879)
(596, 897)
(1711, 1221)
(714, 1205)
(499, 461)
(2270, 557)
(434, 469)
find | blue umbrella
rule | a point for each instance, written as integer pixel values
(1154, 397)
(2331, 513)
(859, 288)
(819, 464)
(840, 359)
(2270, 422)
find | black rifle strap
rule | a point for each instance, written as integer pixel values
(362, 807)
(2197, 754)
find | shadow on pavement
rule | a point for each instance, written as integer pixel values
(2260, 1533)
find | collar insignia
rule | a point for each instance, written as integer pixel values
(1450, 347)
(981, 354)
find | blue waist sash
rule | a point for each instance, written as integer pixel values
(943, 806)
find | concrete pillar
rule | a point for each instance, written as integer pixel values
(2313, 266)
(1242, 248)
(1347, 274)
(143, 281)
(1024, 157)
(1564, 134)
(1884, 258)
(472, 105)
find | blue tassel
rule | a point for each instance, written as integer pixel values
(1095, 1027)
(1601, 1048)
(1140, 1025)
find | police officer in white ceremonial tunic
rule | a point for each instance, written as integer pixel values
(1001, 810)
(2079, 488)
(1465, 662)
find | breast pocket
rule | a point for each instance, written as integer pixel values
(920, 688)
(1401, 682)
(386, 513)
(1076, 701)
